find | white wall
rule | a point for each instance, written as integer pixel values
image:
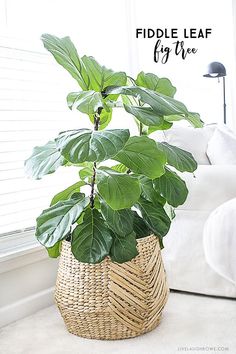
(200, 94)
(98, 28)
(27, 284)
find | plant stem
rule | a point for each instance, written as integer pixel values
(92, 185)
(96, 126)
(140, 128)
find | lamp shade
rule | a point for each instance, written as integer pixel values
(215, 69)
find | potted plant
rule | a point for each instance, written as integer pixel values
(111, 282)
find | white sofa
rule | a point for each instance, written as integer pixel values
(209, 187)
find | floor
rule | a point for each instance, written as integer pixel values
(190, 323)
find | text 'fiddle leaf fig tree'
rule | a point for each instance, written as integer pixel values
(131, 198)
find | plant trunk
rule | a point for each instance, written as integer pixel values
(96, 126)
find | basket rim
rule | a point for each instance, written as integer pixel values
(140, 241)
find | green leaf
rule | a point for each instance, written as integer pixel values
(140, 227)
(170, 211)
(149, 192)
(86, 172)
(55, 250)
(67, 193)
(164, 126)
(119, 221)
(129, 100)
(66, 55)
(86, 145)
(55, 222)
(44, 160)
(154, 216)
(123, 249)
(119, 190)
(85, 101)
(161, 104)
(172, 187)
(192, 118)
(105, 118)
(173, 118)
(153, 82)
(142, 155)
(91, 240)
(120, 168)
(145, 115)
(180, 159)
(97, 204)
(101, 77)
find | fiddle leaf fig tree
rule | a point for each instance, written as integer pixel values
(130, 198)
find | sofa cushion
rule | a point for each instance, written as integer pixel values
(219, 240)
(221, 149)
(194, 140)
(209, 187)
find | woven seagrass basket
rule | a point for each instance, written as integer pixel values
(110, 300)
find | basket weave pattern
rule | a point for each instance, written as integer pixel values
(110, 300)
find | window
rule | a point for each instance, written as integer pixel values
(33, 110)
(33, 90)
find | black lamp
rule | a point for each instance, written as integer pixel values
(216, 69)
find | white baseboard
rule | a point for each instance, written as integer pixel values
(26, 306)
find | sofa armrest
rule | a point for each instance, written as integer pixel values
(211, 186)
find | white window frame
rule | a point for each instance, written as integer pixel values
(18, 249)
(22, 242)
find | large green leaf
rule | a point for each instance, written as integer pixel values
(87, 145)
(140, 227)
(145, 115)
(154, 216)
(44, 160)
(91, 240)
(123, 249)
(180, 159)
(66, 55)
(172, 187)
(119, 190)
(101, 77)
(161, 104)
(153, 82)
(119, 221)
(85, 101)
(142, 155)
(67, 193)
(149, 192)
(55, 222)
